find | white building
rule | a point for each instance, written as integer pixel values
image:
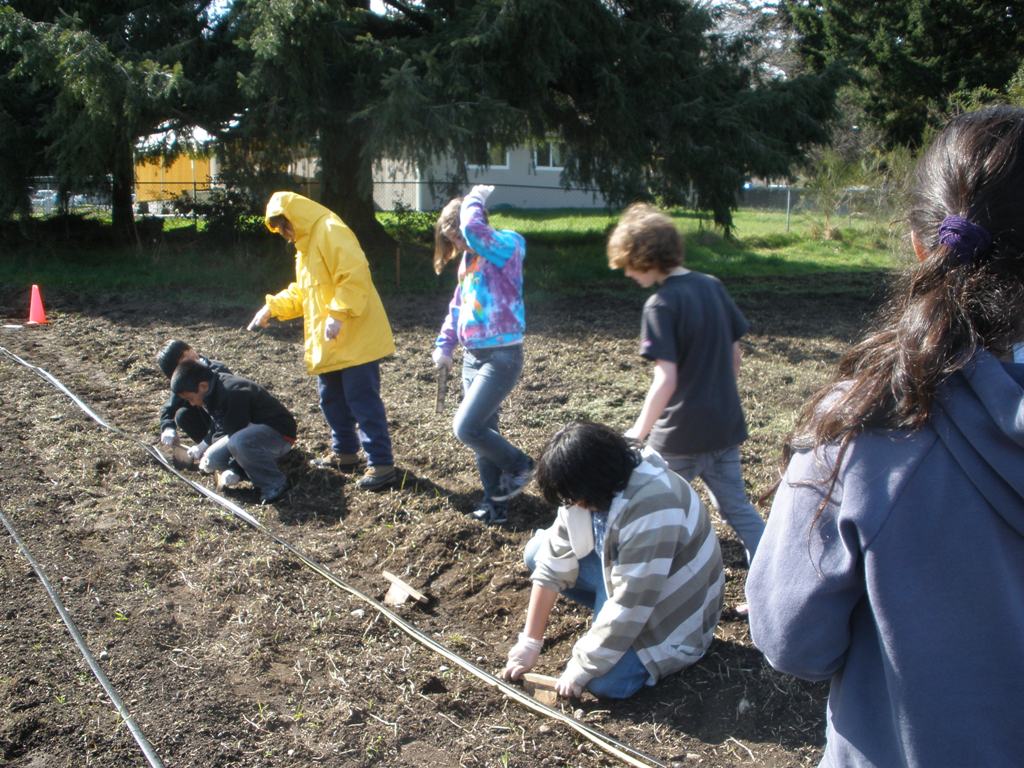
(524, 177)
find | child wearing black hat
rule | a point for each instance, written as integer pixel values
(177, 413)
(257, 429)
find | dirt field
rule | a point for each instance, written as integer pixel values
(229, 653)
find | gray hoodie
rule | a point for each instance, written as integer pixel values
(908, 592)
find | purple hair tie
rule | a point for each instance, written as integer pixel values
(965, 238)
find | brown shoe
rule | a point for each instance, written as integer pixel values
(343, 462)
(377, 478)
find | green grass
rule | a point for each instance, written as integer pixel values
(762, 247)
(567, 249)
(224, 276)
(566, 255)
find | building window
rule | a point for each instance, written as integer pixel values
(549, 155)
(495, 156)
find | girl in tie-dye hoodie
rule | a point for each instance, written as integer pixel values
(486, 316)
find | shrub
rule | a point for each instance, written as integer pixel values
(409, 226)
(229, 214)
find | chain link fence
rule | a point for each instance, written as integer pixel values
(156, 198)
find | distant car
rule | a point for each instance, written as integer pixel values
(44, 200)
(44, 197)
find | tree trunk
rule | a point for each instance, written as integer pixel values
(123, 174)
(346, 187)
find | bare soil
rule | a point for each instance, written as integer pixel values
(228, 652)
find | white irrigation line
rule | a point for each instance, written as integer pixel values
(613, 747)
(140, 739)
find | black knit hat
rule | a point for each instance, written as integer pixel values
(170, 356)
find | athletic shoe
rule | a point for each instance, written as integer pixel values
(491, 515)
(343, 462)
(511, 484)
(272, 497)
(377, 478)
(227, 478)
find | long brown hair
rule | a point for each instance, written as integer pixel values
(444, 249)
(948, 306)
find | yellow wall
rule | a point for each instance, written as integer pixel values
(155, 181)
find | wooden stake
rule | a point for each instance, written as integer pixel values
(399, 591)
(541, 687)
(534, 680)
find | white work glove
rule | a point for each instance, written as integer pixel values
(204, 464)
(521, 657)
(168, 436)
(261, 319)
(632, 435)
(571, 682)
(483, 191)
(196, 451)
(441, 360)
(331, 328)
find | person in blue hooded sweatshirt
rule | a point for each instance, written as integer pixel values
(893, 560)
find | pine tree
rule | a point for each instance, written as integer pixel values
(21, 150)
(106, 72)
(912, 58)
(647, 98)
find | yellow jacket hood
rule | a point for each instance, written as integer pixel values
(302, 212)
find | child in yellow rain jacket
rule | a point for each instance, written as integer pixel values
(345, 328)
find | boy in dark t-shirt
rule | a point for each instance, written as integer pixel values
(691, 329)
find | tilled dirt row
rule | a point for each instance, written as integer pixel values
(229, 653)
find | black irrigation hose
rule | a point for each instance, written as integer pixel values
(140, 739)
(612, 746)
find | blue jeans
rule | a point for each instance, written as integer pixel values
(488, 375)
(256, 448)
(629, 674)
(351, 404)
(723, 477)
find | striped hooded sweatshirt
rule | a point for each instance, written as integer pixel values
(487, 308)
(662, 570)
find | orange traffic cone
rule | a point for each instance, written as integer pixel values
(36, 313)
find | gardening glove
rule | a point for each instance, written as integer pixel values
(521, 657)
(632, 436)
(168, 436)
(260, 319)
(331, 328)
(196, 451)
(571, 682)
(483, 191)
(441, 360)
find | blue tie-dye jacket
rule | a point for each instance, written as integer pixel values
(487, 308)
